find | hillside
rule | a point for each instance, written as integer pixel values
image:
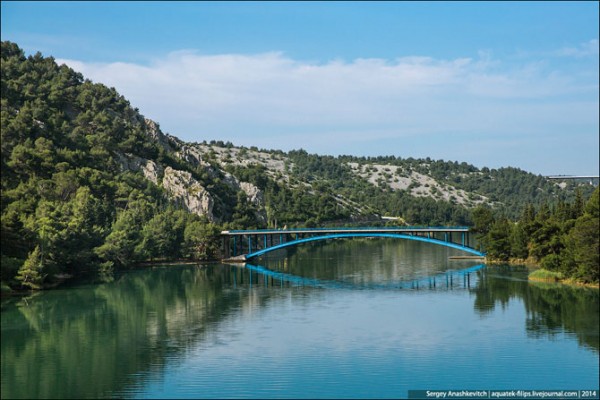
(419, 191)
(89, 184)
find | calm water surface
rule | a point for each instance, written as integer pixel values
(354, 318)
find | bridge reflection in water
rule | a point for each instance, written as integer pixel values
(242, 245)
(447, 280)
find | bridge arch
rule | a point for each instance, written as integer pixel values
(359, 234)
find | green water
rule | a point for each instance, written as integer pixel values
(354, 318)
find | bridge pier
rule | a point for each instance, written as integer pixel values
(225, 247)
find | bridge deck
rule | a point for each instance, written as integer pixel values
(255, 242)
(385, 229)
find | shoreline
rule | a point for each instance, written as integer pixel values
(563, 281)
(532, 266)
(7, 291)
(549, 276)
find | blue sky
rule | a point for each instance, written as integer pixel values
(493, 84)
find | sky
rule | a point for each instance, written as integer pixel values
(493, 84)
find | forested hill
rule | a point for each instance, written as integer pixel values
(88, 183)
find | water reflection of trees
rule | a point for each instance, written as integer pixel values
(107, 340)
(85, 342)
(551, 308)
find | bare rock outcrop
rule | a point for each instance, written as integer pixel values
(151, 170)
(153, 130)
(192, 156)
(183, 188)
(253, 194)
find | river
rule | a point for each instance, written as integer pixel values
(344, 319)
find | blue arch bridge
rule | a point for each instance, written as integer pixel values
(243, 245)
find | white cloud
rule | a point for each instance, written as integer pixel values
(267, 99)
(586, 49)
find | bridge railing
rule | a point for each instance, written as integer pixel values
(361, 228)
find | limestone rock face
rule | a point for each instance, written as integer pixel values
(149, 168)
(192, 156)
(253, 194)
(152, 171)
(180, 186)
(183, 188)
(156, 134)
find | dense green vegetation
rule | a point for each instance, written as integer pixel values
(71, 206)
(562, 239)
(292, 206)
(507, 189)
(67, 205)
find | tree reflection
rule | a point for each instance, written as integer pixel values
(108, 340)
(551, 308)
(88, 342)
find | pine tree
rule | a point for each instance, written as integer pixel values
(31, 272)
(583, 242)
